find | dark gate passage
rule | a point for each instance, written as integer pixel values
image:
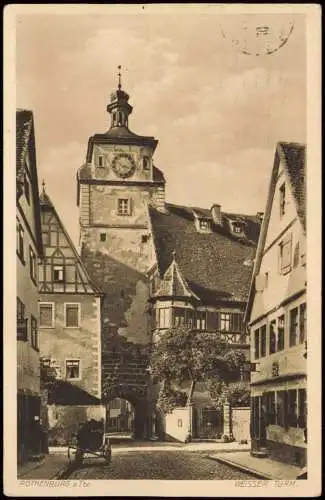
(210, 423)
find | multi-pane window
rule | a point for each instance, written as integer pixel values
(302, 323)
(280, 342)
(58, 274)
(302, 408)
(22, 332)
(273, 337)
(102, 236)
(124, 206)
(294, 327)
(292, 408)
(115, 404)
(263, 341)
(201, 320)
(20, 309)
(72, 315)
(237, 228)
(257, 343)
(225, 321)
(32, 264)
(163, 318)
(282, 193)
(72, 369)
(20, 240)
(269, 399)
(282, 408)
(46, 315)
(178, 317)
(34, 333)
(204, 224)
(285, 250)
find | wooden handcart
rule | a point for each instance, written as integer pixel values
(90, 440)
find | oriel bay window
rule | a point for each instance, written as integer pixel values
(182, 317)
(225, 322)
(179, 317)
(201, 320)
(163, 317)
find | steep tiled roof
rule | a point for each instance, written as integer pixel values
(294, 155)
(25, 142)
(24, 125)
(212, 264)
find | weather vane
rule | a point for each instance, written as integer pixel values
(119, 77)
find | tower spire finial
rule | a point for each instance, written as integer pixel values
(119, 77)
(43, 186)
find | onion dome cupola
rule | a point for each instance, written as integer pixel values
(119, 108)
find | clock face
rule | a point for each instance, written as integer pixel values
(123, 165)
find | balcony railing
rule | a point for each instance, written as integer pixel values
(234, 337)
(22, 328)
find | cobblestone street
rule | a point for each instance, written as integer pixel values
(179, 465)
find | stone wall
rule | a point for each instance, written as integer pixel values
(240, 423)
(178, 424)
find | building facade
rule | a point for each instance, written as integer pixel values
(70, 331)
(199, 279)
(277, 314)
(28, 251)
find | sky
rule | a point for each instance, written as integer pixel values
(216, 111)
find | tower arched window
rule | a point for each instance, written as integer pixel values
(114, 119)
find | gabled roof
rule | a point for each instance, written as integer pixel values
(47, 205)
(173, 284)
(25, 143)
(212, 264)
(293, 156)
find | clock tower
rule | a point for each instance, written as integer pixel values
(115, 187)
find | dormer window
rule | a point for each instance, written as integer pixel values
(237, 228)
(204, 224)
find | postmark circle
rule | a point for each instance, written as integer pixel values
(257, 37)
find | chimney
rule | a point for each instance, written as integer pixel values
(216, 214)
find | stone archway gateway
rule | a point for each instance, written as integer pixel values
(141, 426)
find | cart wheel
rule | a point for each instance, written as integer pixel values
(78, 457)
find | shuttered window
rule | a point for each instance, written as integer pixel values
(46, 318)
(72, 315)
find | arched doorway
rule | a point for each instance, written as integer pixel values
(131, 411)
(120, 417)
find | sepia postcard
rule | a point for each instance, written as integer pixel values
(167, 191)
